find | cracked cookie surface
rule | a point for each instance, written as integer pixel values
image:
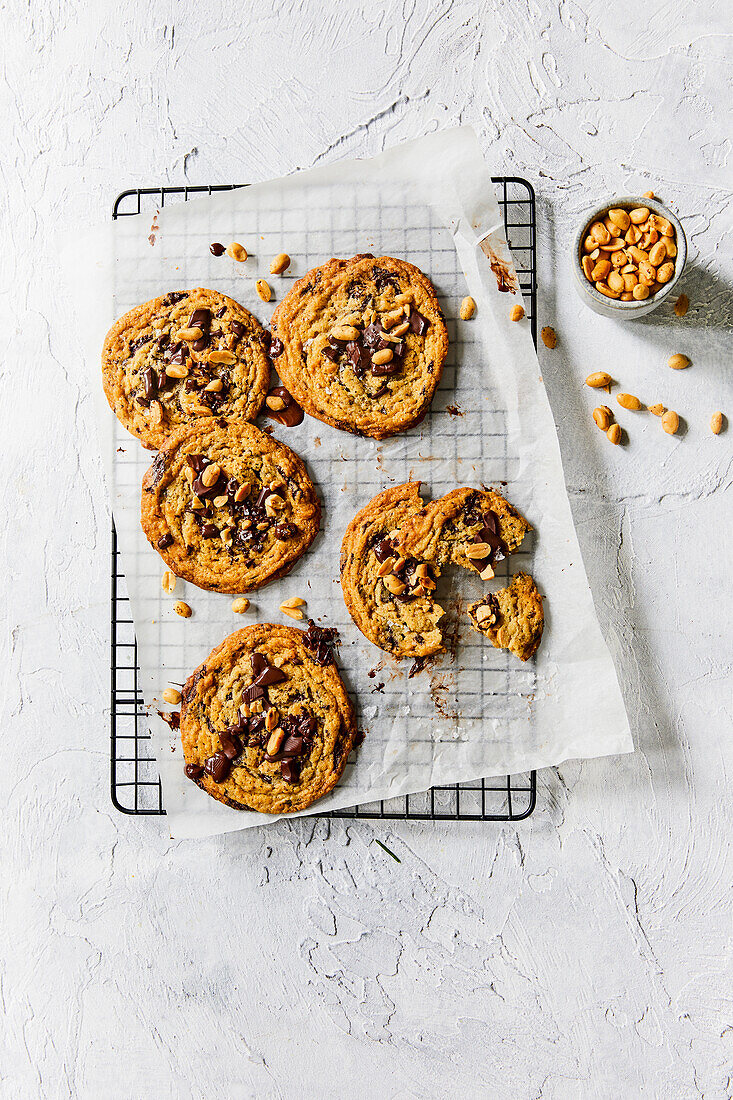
(266, 723)
(512, 618)
(394, 610)
(227, 507)
(364, 344)
(181, 356)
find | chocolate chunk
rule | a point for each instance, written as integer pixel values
(150, 383)
(162, 341)
(270, 675)
(177, 354)
(218, 767)
(383, 550)
(371, 337)
(217, 249)
(259, 663)
(230, 744)
(252, 693)
(156, 472)
(284, 531)
(319, 640)
(290, 771)
(209, 531)
(381, 369)
(237, 328)
(171, 718)
(291, 413)
(221, 312)
(193, 771)
(162, 379)
(331, 353)
(418, 323)
(135, 344)
(257, 723)
(164, 541)
(383, 278)
(173, 297)
(202, 342)
(197, 462)
(262, 497)
(200, 318)
(276, 347)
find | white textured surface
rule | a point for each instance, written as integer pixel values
(585, 953)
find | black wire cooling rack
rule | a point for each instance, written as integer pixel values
(135, 783)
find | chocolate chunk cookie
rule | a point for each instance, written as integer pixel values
(184, 355)
(511, 618)
(265, 725)
(362, 344)
(390, 601)
(467, 527)
(227, 507)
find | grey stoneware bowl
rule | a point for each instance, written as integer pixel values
(611, 307)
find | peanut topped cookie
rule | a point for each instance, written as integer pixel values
(511, 618)
(360, 344)
(227, 507)
(184, 355)
(266, 723)
(393, 607)
(467, 527)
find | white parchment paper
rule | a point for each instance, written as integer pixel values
(477, 711)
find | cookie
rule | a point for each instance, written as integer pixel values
(361, 343)
(227, 507)
(511, 618)
(394, 610)
(467, 527)
(184, 355)
(266, 723)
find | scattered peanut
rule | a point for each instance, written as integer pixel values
(598, 380)
(602, 416)
(468, 308)
(381, 357)
(716, 423)
(240, 605)
(345, 333)
(226, 358)
(182, 609)
(628, 401)
(614, 434)
(517, 312)
(678, 361)
(264, 290)
(168, 582)
(292, 612)
(280, 264)
(170, 695)
(237, 252)
(394, 585)
(294, 601)
(659, 409)
(210, 475)
(477, 551)
(275, 741)
(189, 334)
(549, 337)
(386, 567)
(649, 195)
(670, 422)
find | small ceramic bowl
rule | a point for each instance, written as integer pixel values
(613, 307)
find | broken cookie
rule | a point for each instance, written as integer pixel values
(511, 618)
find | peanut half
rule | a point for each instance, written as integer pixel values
(292, 612)
(658, 409)
(603, 416)
(182, 609)
(517, 312)
(716, 423)
(264, 290)
(670, 422)
(168, 582)
(614, 434)
(598, 380)
(237, 252)
(468, 308)
(628, 401)
(240, 605)
(549, 337)
(678, 361)
(681, 306)
(280, 264)
(170, 695)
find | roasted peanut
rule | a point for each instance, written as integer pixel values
(620, 218)
(294, 601)
(678, 361)
(601, 269)
(616, 281)
(618, 259)
(614, 434)
(345, 333)
(665, 272)
(640, 292)
(614, 245)
(226, 358)
(275, 740)
(603, 288)
(237, 252)
(657, 253)
(210, 475)
(189, 334)
(549, 337)
(168, 582)
(264, 290)
(628, 401)
(670, 422)
(170, 695)
(587, 265)
(240, 605)
(292, 612)
(468, 308)
(394, 585)
(657, 409)
(182, 609)
(517, 312)
(279, 264)
(649, 195)
(627, 296)
(603, 416)
(589, 244)
(599, 232)
(598, 380)
(640, 214)
(716, 423)
(381, 357)
(630, 281)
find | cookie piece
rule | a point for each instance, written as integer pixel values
(511, 618)
(467, 527)
(184, 355)
(227, 507)
(265, 725)
(363, 344)
(393, 607)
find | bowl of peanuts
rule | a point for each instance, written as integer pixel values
(628, 256)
